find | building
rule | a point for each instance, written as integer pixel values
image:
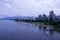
(39, 17)
(52, 15)
(45, 18)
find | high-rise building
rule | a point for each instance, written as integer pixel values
(45, 17)
(51, 15)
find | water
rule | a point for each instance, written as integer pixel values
(11, 30)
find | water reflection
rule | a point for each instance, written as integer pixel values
(47, 33)
(39, 27)
(26, 31)
(51, 32)
(47, 30)
(44, 28)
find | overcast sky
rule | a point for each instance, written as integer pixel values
(28, 7)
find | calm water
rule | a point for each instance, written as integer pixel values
(11, 30)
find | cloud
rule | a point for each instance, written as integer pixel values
(28, 7)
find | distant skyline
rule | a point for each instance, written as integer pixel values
(28, 7)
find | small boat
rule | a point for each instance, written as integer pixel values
(48, 29)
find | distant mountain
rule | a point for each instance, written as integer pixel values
(8, 18)
(16, 17)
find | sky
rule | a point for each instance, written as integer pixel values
(28, 7)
